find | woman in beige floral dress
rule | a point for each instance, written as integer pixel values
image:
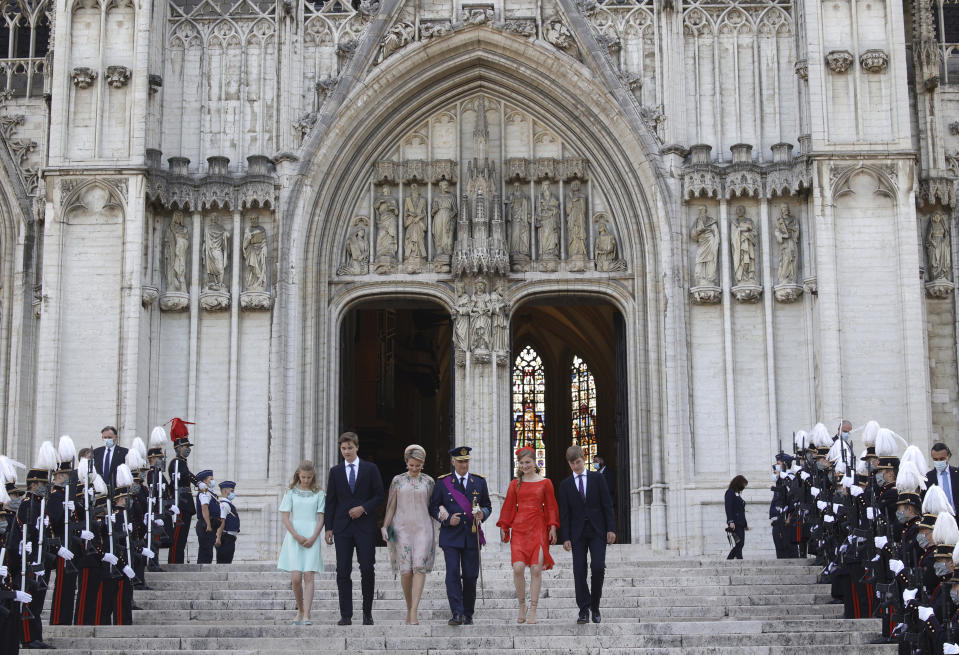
(409, 530)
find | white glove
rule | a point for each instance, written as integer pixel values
(65, 553)
(855, 490)
(828, 518)
(127, 571)
(3, 571)
(46, 521)
(804, 475)
(146, 552)
(86, 535)
(896, 566)
(90, 492)
(174, 510)
(848, 482)
(442, 515)
(835, 508)
(158, 523)
(29, 548)
(478, 511)
(110, 558)
(129, 527)
(70, 505)
(924, 613)
(202, 486)
(814, 491)
(909, 594)
(950, 649)
(880, 542)
(23, 597)
(870, 513)
(821, 504)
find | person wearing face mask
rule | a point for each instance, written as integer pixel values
(943, 474)
(110, 455)
(207, 517)
(778, 507)
(229, 528)
(945, 535)
(844, 432)
(182, 507)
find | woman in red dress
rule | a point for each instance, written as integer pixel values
(531, 514)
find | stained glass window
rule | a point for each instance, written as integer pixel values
(582, 389)
(529, 405)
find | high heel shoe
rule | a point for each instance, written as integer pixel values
(522, 612)
(531, 616)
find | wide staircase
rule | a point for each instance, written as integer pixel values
(672, 606)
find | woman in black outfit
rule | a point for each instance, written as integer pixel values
(736, 515)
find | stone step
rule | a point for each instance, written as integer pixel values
(519, 650)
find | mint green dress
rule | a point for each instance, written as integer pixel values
(303, 507)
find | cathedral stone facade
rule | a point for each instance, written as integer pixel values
(282, 219)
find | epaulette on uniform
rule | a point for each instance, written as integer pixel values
(445, 475)
(482, 477)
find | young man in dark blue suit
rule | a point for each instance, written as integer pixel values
(461, 503)
(354, 492)
(586, 524)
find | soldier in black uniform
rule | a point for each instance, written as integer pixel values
(159, 489)
(11, 597)
(89, 560)
(62, 510)
(125, 518)
(183, 507)
(778, 507)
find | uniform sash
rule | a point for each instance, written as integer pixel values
(464, 504)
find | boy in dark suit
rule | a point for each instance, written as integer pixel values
(586, 525)
(353, 494)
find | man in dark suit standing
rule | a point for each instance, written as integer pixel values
(609, 475)
(586, 524)
(944, 475)
(354, 492)
(109, 456)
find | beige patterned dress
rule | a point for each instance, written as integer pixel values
(412, 538)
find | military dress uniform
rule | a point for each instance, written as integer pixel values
(460, 544)
(33, 520)
(90, 564)
(159, 489)
(62, 509)
(182, 490)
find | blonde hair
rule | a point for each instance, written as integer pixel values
(414, 451)
(306, 466)
(525, 451)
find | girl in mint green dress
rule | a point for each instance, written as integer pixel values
(301, 512)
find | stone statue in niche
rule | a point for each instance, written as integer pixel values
(357, 249)
(387, 214)
(500, 309)
(744, 239)
(938, 248)
(705, 232)
(576, 227)
(176, 242)
(414, 224)
(254, 253)
(547, 223)
(519, 215)
(481, 315)
(444, 217)
(461, 318)
(787, 236)
(607, 252)
(216, 248)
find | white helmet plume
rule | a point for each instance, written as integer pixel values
(946, 531)
(124, 476)
(134, 461)
(839, 452)
(46, 458)
(887, 443)
(914, 455)
(936, 502)
(158, 437)
(66, 449)
(140, 449)
(869, 432)
(801, 439)
(8, 469)
(99, 486)
(820, 436)
(909, 478)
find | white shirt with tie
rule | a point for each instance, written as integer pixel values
(356, 470)
(945, 482)
(107, 457)
(581, 478)
(462, 481)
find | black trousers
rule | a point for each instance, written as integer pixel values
(10, 628)
(737, 551)
(106, 599)
(33, 628)
(181, 530)
(64, 595)
(204, 551)
(88, 586)
(365, 547)
(592, 544)
(224, 552)
(123, 607)
(462, 569)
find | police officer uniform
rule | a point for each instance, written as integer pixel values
(206, 537)
(460, 543)
(231, 524)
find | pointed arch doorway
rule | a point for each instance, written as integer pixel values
(568, 385)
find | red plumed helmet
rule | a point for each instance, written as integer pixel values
(178, 429)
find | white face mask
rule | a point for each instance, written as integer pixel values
(231, 496)
(212, 484)
(940, 465)
(108, 443)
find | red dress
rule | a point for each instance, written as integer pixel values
(529, 514)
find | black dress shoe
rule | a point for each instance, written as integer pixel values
(596, 616)
(583, 617)
(456, 620)
(367, 619)
(344, 620)
(467, 620)
(37, 645)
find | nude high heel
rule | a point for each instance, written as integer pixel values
(522, 612)
(531, 616)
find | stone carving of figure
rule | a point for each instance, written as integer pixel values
(547, 222)
(787, 236)
(481, 315)
(576, 221)
(461, 318)
(444, 217)
(518, 201)
(387, 213)
(254, 252)
(500, 309)
(414, 224)
(175, 245)
(938, 247)
(744, 247)
(357, 251)
(705, 232)
(216, 247)
(607, 251)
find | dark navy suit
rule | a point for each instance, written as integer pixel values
(349, 534)
(584, 523)
(459, 542)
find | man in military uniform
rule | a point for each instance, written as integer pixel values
(62, 511)
(159, 490)
(183, 507)
(11, 597)
(460, 502)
